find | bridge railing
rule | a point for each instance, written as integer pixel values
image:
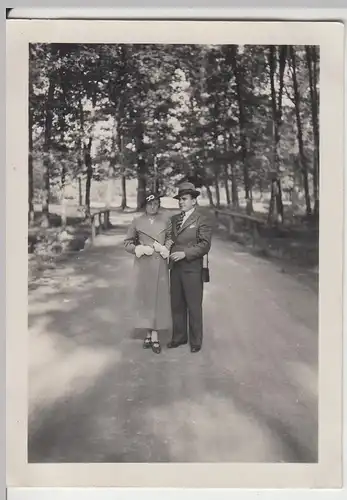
(100, 220)
(252, 225)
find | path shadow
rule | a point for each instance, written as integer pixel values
(124, 404)
(99, 425)
(138, 411)
(304, 275)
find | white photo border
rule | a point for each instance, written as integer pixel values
(328, 472)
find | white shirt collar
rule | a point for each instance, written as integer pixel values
(189, 213)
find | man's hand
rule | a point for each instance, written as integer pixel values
(177, 256)
(165, 253)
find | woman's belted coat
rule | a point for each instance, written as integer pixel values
(151, 292)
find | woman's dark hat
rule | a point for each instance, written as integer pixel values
(186, 188)
(151, 195)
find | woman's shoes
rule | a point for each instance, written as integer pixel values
(156, 348)
(147, 343)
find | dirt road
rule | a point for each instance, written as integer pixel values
(97, 396)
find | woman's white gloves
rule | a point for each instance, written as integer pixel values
(148, 250)
(164, 252)
(139, 251)
(143, 250)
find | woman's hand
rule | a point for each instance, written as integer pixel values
(139, 251)
(148, 250)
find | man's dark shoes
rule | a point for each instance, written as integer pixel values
(195, 348)
(173, 344)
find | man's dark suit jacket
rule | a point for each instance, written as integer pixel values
(193, 238)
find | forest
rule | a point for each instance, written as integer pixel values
(240, 121)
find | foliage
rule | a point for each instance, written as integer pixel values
(160, 113)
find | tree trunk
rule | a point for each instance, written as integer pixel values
(234, 188)
(275, 214)
(64, 153)
(141, 184)
(63, 199)
(303, 162)
(30, 158)
(209, 194)
(249, 203)
(243, 148)
(141, 168)
(109, 186)
(216, 166)
(89, 167)
(279, 200)
(30, 165)
(272, 203)
(80, 200)
(87, 148)
(226, 169)
(276, 190)
(120, 120)
(124, 192)
(226, 184)
(239, 80)
(123, 169)
(311, 58)
(216, 187)
(80, 150)
(47, 160)
(46, 189)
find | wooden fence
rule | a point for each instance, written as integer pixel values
(251, 224)
(100, 220)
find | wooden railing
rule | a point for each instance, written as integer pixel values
(100, 220)
(251, 224)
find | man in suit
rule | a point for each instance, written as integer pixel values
(191, 235)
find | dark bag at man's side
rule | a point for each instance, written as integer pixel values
(205, 270)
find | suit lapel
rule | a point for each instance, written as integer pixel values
(192, 218)
(174, 224)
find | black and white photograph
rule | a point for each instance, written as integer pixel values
(123, 140)
(173, 246)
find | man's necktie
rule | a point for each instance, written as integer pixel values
(180, 221)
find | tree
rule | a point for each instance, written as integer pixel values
(276, 57)
(31, 141)
(312, 64)
(240, 84)
(302, 156)
(236, 120)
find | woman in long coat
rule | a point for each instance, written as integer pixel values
(149, 239)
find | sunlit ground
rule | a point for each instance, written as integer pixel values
(96, 396)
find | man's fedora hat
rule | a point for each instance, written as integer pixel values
(186, 188)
